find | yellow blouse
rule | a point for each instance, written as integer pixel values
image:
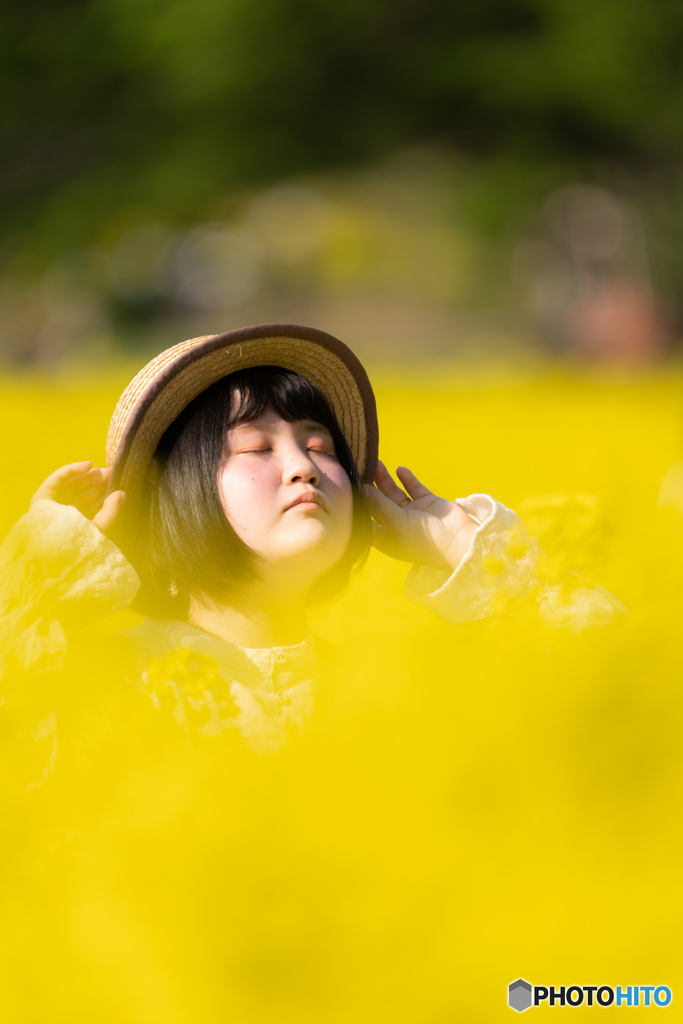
(58, 569)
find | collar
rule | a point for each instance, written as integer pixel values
(157, 636)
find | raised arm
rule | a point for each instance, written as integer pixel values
(58, 567)
(472, 555)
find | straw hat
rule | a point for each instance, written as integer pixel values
(167, 384)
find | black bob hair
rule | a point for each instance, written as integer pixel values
(188, 546)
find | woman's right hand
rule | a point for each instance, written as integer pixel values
(80, 485)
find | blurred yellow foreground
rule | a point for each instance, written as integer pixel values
(472, 804)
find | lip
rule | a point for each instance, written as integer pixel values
(307, 500)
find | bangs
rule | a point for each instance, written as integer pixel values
(289, 395)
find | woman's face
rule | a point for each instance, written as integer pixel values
(285, 493)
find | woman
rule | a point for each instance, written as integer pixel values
(242, 478)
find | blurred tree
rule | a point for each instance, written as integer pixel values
(114, 103)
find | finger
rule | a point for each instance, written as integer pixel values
(83, 489)
(67, 473)
(91, 510)
(94, 477)
(388, 486)
(54, 483)
(413, 486)
(93, 504)
(88, 495)
(109, 512)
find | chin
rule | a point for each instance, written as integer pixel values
(311, 535)
(320, 553)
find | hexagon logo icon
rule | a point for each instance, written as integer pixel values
(519, 995)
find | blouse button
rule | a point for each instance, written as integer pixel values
(281, 657)
(289, 721)
(281, 697)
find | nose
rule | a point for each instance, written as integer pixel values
(300, 468)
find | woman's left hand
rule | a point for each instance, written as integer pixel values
(417, 526)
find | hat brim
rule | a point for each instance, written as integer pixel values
(167, 384)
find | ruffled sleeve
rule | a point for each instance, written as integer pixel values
(56, 569)
(501, 563)
(498, 564)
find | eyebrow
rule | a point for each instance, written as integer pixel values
(267, 429)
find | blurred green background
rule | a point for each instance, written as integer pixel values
(455, 180)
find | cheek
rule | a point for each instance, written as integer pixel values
(341, 484)
(242, 493)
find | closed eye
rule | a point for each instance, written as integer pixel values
(323, 451)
